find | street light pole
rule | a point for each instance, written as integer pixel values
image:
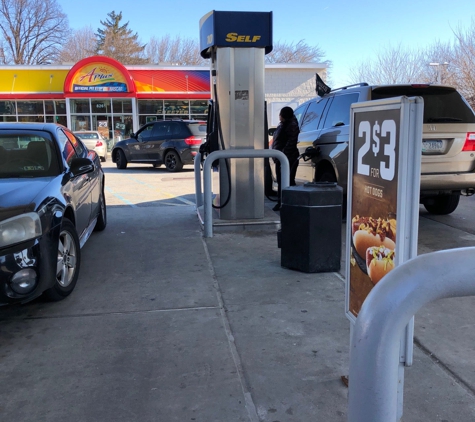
(439, 73)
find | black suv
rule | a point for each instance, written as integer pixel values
(170, 142)
(448, 149)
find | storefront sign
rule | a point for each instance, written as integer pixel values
(98, 77)
(98, 74)
(383, 192)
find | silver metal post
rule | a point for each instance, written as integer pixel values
(374, 354)
(236, 153)
(198, 193)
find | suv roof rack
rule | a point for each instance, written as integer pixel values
(350, 86)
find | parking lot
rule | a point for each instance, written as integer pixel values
(165, 325)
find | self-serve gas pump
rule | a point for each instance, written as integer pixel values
(236, 43)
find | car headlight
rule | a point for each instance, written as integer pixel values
(19, 229)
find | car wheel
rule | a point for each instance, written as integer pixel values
(68, 262)
(101, 222)
(173, 162)
(120, 160)
(442, 204)
(104, 159)
(156, 166)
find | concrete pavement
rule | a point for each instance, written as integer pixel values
(168, 326)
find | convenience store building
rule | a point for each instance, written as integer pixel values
(99, 93)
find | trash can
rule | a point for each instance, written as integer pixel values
(311, 224)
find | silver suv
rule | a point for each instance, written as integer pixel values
(448, 149)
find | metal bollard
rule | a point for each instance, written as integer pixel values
(235, 153)
(197, 169)
(374, 354)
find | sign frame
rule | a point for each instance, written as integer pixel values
(409, 143)
(410, 113)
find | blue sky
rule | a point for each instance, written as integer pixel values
(348, 31)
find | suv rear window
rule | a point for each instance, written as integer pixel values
(441, 104)
(198, 129)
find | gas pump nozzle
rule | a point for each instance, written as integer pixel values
(212, 138)
(310, 152)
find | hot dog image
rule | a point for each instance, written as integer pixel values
(379, 261)
(368, 232)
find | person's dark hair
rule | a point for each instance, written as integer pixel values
(286, 113)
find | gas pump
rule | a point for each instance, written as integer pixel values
(236, 44)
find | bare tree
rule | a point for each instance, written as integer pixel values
(80, 44)
(462, 63)
(33, 30)
(392, 65)
(294, 53)
(118, 41)
(177, 51)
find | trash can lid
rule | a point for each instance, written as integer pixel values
(313, 194)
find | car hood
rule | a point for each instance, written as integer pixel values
(20, 195)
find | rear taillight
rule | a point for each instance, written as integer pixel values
(469, 142)
(98, 143)
(193, 140)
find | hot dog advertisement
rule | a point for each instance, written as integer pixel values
(372, 220)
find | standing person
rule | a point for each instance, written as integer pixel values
(285, 140)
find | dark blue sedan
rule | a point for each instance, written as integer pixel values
(51, 199)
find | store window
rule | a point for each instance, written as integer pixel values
(199, 107)
(149, 111)
(30, 107)
(80, 123)
(177, 107)
(8, 111)
(101, 105)
(122, 106)
(150, 106)
(80, 106)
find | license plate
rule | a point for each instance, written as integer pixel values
(433, 146)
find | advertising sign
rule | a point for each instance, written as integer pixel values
(383, 192)
(98, 77)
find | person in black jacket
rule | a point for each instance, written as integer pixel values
(285, 140)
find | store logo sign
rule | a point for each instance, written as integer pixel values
(93, 76)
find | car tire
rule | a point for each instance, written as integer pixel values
(68, 262)
(442, 204)
(173, 162)
(101, 222)
(120, 160)
(156, 166)
(104, 159)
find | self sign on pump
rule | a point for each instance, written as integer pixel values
(235, 37)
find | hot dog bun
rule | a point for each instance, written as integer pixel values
(379, 261)
(362, 240)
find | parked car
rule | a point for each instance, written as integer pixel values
(448, 145)
(51, 199)
(94, 141)
(170, 142)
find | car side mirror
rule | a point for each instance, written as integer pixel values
(81, 166)
(133, 135)
(271, 131)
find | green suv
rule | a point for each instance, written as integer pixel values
(448, 145)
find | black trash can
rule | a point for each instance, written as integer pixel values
(311, 227)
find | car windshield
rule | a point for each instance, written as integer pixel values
(441, 104)
(26, 155)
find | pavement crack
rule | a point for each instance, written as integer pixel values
(147, 311)
(443, 366)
